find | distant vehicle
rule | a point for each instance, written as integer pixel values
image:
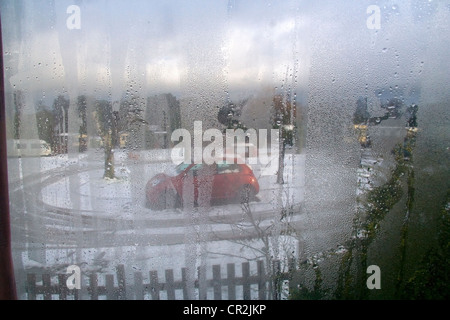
(363, 137)
(230, 181)
(123, 140)
(28, 148)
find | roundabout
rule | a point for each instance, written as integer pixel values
(73, 205)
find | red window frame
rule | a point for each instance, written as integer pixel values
(7, 279)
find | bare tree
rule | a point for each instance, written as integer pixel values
(283, 115)
(60, 109)
(107, 127)
(264, 239)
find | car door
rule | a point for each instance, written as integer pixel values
(203, 179)
(191, 184)
(226, 181)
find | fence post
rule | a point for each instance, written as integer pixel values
(276, 280)
(31, 286)
(154, 285)
(109, 279)
(261, 280)
(170, 289)
(93, 286)
(231, 278)
(122, 290)
(62, 287)
(184, 282)
(202, 282)
(47, 286)
(246, 280)
(138, 286)
(217, 283)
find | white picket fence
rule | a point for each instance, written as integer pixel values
(258, 285)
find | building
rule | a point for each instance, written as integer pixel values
(163, 117)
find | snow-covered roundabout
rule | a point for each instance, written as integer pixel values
(73, 216)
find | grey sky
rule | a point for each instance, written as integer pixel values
(195, 47)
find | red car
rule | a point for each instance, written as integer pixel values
(222, 181)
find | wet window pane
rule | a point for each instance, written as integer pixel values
(228, 149)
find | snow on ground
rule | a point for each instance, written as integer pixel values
(124, 196)
(83, 190)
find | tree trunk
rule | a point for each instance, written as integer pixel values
(109, 156)
(280, 179)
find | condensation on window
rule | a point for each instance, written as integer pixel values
(227, 149)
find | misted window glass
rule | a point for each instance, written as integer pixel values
(228, 149)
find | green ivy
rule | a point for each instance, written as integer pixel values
(431, 278)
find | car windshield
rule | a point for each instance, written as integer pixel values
(175, 170)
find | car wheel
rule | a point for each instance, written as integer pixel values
(158, 205)
(169, 199)
(172, 200)
(154, 206)
(246, 193)
(163, 201)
